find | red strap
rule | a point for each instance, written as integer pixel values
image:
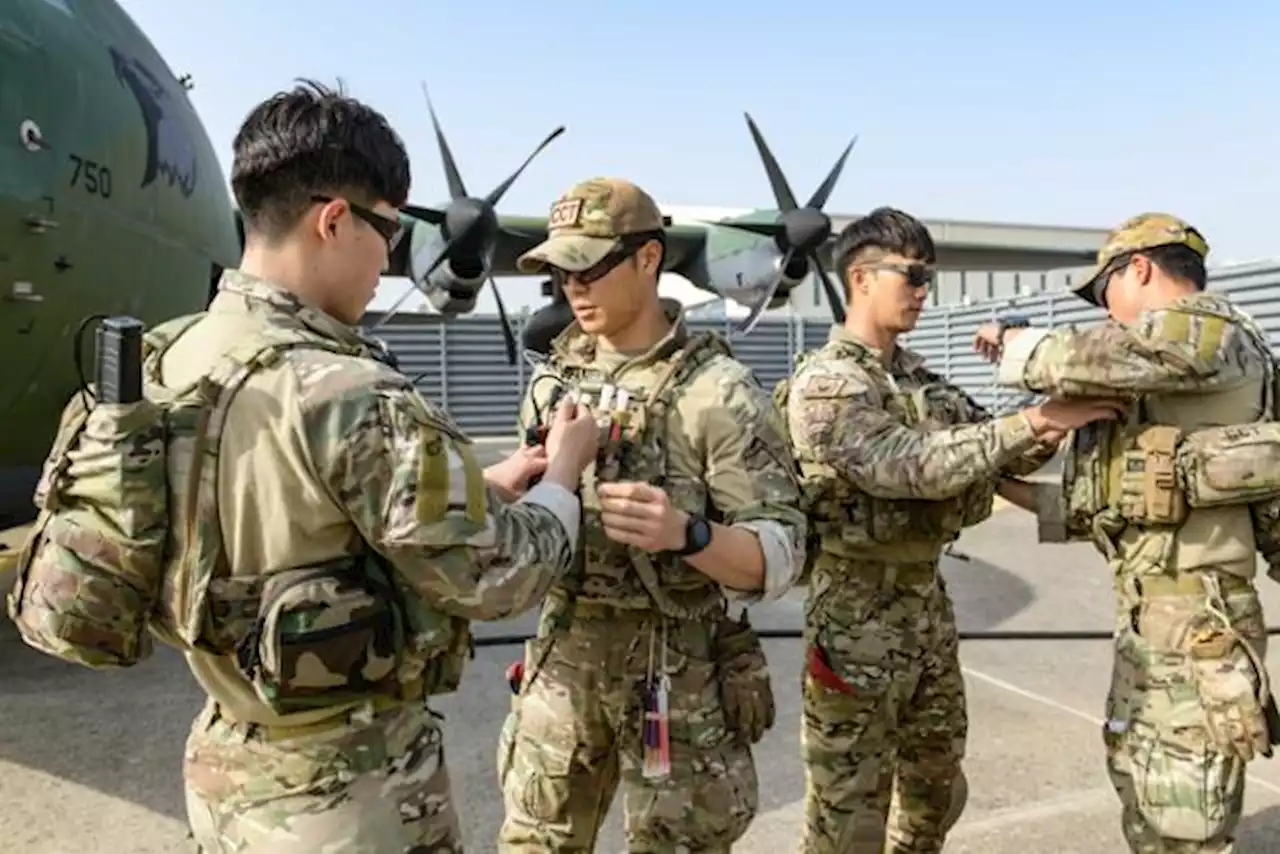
(820, 670)
(515, 676)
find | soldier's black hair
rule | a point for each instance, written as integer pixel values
(1177, 261)
(886, 230)
(314, 140)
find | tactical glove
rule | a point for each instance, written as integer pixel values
(745, 689)
(1236, 720)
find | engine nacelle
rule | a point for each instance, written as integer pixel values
(746, 274)
(452, 287)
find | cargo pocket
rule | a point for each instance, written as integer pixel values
(1184, 791)
(538, 742)
(322, 637)
(712, 794)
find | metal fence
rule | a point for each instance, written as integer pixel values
(463, 365)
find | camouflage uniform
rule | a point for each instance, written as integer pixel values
(325, 450)
(1185, 708)
(699, 426)
(895, 463)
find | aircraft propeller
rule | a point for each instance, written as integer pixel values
(799, 231)
(469, 224)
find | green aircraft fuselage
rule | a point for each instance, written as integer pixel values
(112, 201)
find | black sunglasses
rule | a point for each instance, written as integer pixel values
(1104, 279)
(916, 274)
(628, 245)
(389, 229)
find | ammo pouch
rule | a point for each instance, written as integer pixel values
(745, 691)
(324, 636)
(1147, 488)
(91, 570)
(1236, 464)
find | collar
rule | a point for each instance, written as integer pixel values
(575, 347)
(904, 360)
(243, 293)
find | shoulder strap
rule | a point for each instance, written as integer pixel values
(205, 559)
(159, 338)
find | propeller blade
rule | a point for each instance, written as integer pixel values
(823, 192)
(777, 181)
(499, 191)
(508, 336)
(395, 306)
(440, 259)
(430, 215)
(757, 310)
(829, 288)
(451, 174)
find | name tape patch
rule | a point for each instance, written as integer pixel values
(564, 213)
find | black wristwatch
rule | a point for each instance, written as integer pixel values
(697, 535)
(1011, 321)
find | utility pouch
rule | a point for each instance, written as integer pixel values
(324, 635)
(1236, 464)
(1150, 492)
(745, 690)
(91, 570)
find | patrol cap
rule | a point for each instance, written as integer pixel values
(587, 223)
(1144, 231)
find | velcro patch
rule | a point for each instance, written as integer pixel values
(826, 388)
(564, 213)
(450, 480)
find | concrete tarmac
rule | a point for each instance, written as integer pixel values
(90, 762)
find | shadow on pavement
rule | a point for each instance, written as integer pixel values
(1260, 832)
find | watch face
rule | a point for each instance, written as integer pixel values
(699, 533)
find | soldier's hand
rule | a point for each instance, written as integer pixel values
(511, 476)
(1055, 417)
(573, 438)
(640, 515)
(989, 340)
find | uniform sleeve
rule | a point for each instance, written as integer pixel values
(416, 493)
(1027, 463)
(839, 418)
(1158, 354)
(752, 481)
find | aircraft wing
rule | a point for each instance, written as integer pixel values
(519, 234)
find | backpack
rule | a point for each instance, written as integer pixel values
(92, 571)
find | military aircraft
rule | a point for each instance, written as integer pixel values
(116, 204)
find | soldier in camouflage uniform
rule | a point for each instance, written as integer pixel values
(328, 455)
(1165, 497)
(637, 673)
(895, 462)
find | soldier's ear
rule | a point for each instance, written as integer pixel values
(650, 256)
(859, 282)
(1142, 269)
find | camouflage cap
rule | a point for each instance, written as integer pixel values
(1144, 231)
(585, 224)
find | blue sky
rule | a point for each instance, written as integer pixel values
(1061, 114)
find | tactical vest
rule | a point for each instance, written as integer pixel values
(1168, 490)
(847, 522)
(612, 573)
(306, 637)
